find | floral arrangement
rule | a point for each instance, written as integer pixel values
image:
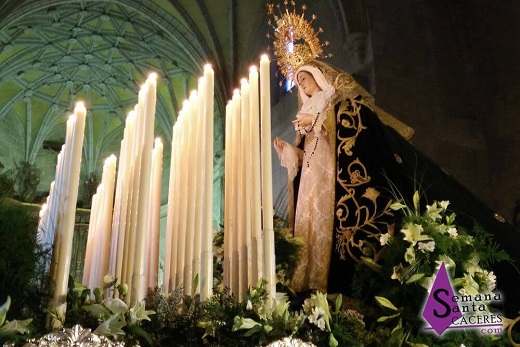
(410, 258)
(382, 310)
(432, 238)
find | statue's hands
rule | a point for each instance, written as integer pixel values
(303, 119)
(279, 144)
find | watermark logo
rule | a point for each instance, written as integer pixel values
(445, 310)
(440, 309)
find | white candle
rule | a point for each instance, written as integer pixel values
(183, 192)
(155, 215)
(207, 240)
(256, 197)
(138, 281)
(237, 279)
(245, 144)
(126, 194)
(267, 184)
(108, 179)
(175, 263)
(59, 303)
(228, 209)
(199, 173)
(91, 240)
(95, 278)
(131, 227)
(191, 120)
(168, 243)
(62, 181)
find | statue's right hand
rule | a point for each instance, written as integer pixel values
(279, 144)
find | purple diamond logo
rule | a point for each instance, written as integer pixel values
(441, 310)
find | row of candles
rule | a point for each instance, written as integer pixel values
(58, 213)
(123, 237)
(249, 252)
(124, 228)
(189, 221)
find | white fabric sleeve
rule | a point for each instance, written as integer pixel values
(289, 159)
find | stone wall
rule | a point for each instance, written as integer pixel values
(450, 69)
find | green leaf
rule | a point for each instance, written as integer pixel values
(15, 327)
(3, 310)
(339, 301)
(194, 285)
(386, 303)
(415, 278)
(97, 310)
(397, 206)
(332, 341)
(137, 330)
(371, 264)
(416, 200)
(385, 318)
(244, 323)
(254, 330)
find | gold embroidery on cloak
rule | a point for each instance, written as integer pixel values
(360, 237)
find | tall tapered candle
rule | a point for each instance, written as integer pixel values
(183, 193)
(154, 216)
(59, 303)
(62, 182)
(199, 175)
(125, 167)
(245, 144)
(267, 180)
(237, 280)
(138, 281)
(191, 184)
(87, 267)
(207, 240)
(256, 197)
(131, 226)
(108, 178)
(228, 238)
(96, 220)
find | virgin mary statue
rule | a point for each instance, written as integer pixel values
(348, 163)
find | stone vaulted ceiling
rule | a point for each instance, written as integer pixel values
(54, 53)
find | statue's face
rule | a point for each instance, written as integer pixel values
(307, 82)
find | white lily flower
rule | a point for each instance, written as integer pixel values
(409, 256)
(453, 232)
(472, 266)
(413, 234)
(491, 280)
(321, 324)
(426, 246)
(384, 238)
(398, 273)
(470, 285)
(433, 211)
(249, 305)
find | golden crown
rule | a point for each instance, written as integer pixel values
(295, 41)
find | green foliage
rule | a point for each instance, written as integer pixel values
(426, 237)
(27, 178)
(9, 329)
(6, 185)
(383, 309)
(22, 272)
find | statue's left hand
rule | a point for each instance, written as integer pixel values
(303, 119)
